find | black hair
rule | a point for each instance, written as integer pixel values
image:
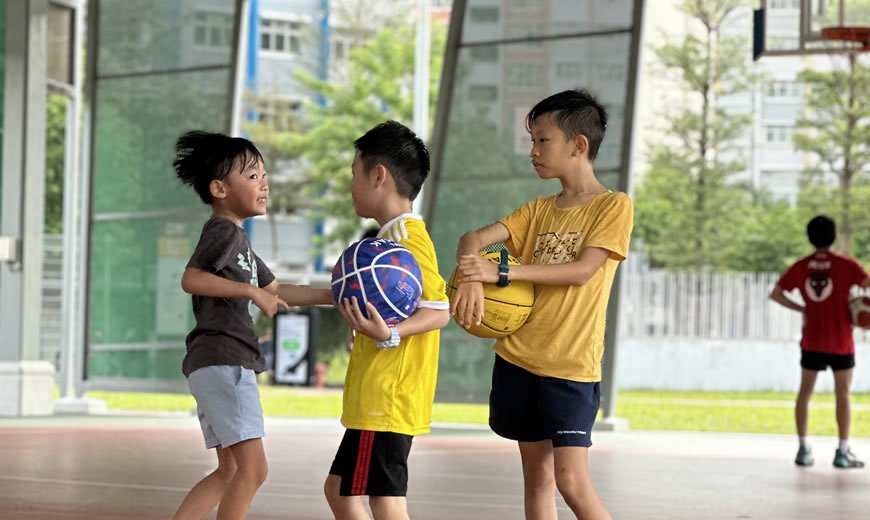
(822, 231)
(400, 150)
(201, 157)
(575, 112)
(371, 232)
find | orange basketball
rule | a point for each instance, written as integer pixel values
(505, 309)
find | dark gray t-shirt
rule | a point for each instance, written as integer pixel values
(224, 331)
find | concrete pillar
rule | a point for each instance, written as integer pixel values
(26, 383)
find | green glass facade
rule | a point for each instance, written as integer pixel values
(154, 80)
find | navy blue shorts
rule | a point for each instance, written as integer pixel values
(531, 408)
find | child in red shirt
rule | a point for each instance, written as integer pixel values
(824, 280)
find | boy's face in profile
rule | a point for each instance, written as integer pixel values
(552, 151)
(247, 191)
(362, 188)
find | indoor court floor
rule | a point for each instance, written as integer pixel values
(136, 467)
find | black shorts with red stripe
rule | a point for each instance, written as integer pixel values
(372, 463)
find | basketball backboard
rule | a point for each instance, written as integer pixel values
(796, 27)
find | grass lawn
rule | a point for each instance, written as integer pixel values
(751, 412)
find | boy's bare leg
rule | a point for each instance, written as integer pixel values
(802, 405)
(343, 508)
(250, 474)
(389, 508)
(207, 492)
(842, 386)
(539, 481)
(575, 485)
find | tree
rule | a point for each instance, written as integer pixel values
(836, 130)
(379, 87)
(55, 148)
(686, 204)
(770, 237)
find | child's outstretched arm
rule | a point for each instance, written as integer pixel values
(300, 295)
(778, 295)
(466, 302)
(420, 321)
(203, 283)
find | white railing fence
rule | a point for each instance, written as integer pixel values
(51, 326)
(662, 303)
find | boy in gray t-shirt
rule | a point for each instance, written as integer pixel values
(225, 278)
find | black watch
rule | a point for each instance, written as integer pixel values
(503, 267)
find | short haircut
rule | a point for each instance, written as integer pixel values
(822, 231)
(201, 157)
(575, 112)
(395, 146)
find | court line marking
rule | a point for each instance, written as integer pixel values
(411, 500)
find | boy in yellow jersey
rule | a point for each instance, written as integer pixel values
(545, 380)
(390, 382)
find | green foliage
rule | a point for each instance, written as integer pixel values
(55, 137)
(686, 205)
(836, 131)
(745, 412)
(819, 198)
(768, 237)
(379, 87)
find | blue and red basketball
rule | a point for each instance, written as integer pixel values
(380, 271)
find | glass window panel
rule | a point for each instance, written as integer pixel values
(488, 53)
(114, 364)
(485, 14)
(138, 121)
(137, 37)
(542, 18)
(145, 222)
(136, 272)
(279, 42)
(60, 43)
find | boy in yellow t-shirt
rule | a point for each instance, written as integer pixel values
(545, 380)
(390, 382)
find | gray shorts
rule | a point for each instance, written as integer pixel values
(228, 404)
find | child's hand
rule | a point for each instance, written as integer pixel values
(475, 268)
(466, 304)
(267, 302)
(374, 326)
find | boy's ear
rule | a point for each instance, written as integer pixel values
(217, 189)
(581, 144)
(381, 173)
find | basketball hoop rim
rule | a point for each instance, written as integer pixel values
(848, 34)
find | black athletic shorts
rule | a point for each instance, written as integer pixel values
(372, 463)
(530, 408)
(820, 361)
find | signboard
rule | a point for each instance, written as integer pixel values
(292, 352)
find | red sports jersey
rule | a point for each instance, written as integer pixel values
(824, 279)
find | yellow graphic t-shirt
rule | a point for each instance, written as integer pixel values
(564, 334)
(392, 390)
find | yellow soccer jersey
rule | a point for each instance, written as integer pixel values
(542, 233)
(392, 390)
